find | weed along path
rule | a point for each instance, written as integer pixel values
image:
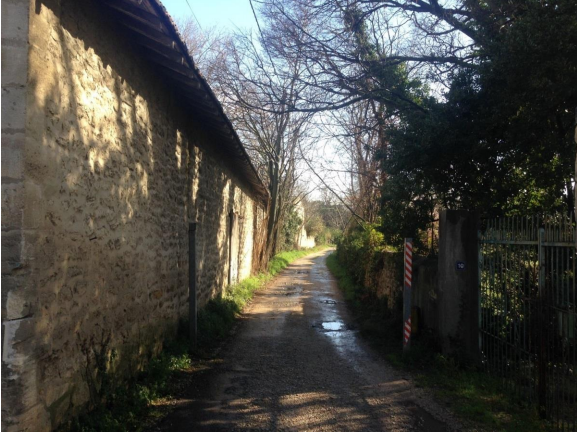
(297, 363)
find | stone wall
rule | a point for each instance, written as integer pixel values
(96, 206)
(388, 280)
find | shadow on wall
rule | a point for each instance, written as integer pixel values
(112, 179)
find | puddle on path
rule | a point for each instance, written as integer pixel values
(291, 290)
(286, 304)
(344, 339)
(322, 280)
(327, 301)
(333, 326)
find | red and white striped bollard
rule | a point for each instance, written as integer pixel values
(408, 262)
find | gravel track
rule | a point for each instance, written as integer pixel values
(296, 363)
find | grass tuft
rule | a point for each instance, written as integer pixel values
(129, 406)
(217, 318)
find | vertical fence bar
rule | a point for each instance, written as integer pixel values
(542, 363)
(480, 283)
(573, 314)
(408, 272)
(528, 329)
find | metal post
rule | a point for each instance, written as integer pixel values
(541, 261)
(479, 288)
(192, 308)
(408, 265)
(542, 363)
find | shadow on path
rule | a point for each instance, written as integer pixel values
(297, 363)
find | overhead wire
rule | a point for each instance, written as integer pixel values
(193, 14)
(262, 37)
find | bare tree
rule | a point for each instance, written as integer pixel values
(359, 137)
(251, 85)
(257, 91)
(355, 50)
(208, 47)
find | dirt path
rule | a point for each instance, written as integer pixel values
(296, 363)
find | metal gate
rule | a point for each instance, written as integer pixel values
(527, 315)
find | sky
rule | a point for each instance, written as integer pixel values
(232, 14)
(209, 13)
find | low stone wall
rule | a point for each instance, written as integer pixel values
(388, 283)
(107, 169)
(388, 280)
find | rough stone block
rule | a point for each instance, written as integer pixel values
(18, 304)
(11, 250)
(13, 107)
(29, 373)
(16, 332)
(12, 205)
(15, 20)
(34, 214)
(14, 64)
(12, 155)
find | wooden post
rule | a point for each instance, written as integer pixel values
(408, 272)
(192, 307)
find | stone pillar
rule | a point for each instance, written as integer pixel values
(20, 408)
(458, 284)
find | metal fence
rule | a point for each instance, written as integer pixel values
(528, 319)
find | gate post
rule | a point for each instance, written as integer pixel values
(408, 272)
(458, 299)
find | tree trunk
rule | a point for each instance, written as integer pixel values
(272, 226)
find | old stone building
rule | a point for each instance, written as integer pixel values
(112, 144)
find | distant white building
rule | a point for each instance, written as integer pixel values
(303, 240)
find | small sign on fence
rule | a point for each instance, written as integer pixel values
(408, 262)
